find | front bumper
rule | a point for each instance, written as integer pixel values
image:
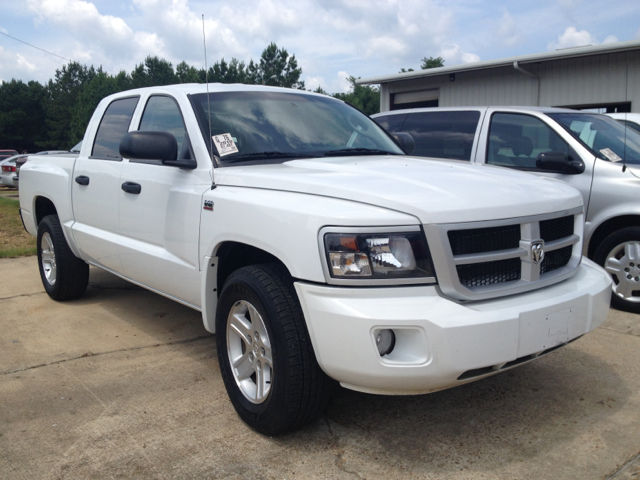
(437, 340)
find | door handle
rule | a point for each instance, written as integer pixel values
(82, 180)
(131, 187)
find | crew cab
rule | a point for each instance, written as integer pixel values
(590, 152)
(316, 249)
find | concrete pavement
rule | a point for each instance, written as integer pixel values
(124, 383)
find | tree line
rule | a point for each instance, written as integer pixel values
(54, 116)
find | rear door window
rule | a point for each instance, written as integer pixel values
(113, 126)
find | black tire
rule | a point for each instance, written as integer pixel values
(63, 275)
(297, 391)
(611, 255)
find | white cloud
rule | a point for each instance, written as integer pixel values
(340, 84)
(14, 65)
(311, 83)
(573, 38)
(22, 62)
(509, 31)
(453, 54)
(93, 38)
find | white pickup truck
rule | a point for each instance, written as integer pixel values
(315, 248)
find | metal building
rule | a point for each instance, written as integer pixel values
(605, 77)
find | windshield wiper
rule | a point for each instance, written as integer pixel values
(357, 151)
(262, 155)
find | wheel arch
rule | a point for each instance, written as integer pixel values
(227, 257)
(609, 226)
(42, 206)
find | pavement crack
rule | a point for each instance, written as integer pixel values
(339, 452)
(22, 295)
(90, 354)
(633, 462)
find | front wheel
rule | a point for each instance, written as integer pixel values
(266, 358)
(64, 276)
(619, 255)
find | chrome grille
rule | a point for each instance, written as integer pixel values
(491, 259)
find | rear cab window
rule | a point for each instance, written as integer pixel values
(113, 126)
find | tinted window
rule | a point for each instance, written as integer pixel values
(113, 126)
(443, 134)
(162, 114)
(391, 123)
(606, 138)
(517, 140)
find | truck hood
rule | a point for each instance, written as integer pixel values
(434, 191)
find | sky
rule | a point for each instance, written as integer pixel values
(331, 39)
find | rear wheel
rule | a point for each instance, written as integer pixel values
(266, 358)
(619, 254)
(63, 275)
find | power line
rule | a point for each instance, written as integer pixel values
(41, 49)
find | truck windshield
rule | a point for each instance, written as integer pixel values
(606, 138)
(261, 126)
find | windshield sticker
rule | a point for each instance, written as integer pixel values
(610, 154)
(225, 144)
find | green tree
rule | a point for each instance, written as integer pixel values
(402, 70)
(432, 62)
(22, 116)
(90, 95)
(233, 72)
(59, 103)
(277, 68)
(153, 72)
(189, 74)
(364, 97)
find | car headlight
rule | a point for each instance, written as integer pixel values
(385, 256)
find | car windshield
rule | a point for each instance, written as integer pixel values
(606, 138)
(262, 126)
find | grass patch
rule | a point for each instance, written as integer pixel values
(14, 240)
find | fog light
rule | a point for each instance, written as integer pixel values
(385, 341)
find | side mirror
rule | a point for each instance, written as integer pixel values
(559, 162)
(405, 140)
(149, 146)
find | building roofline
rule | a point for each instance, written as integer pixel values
(507, 62)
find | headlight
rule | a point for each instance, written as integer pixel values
(382, 257)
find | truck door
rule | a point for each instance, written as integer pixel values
(515, 140)
(159, 211)
(96, 187)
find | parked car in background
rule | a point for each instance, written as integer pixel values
(631, 120)
(4, 154)
(591, 152)
(9, 170)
